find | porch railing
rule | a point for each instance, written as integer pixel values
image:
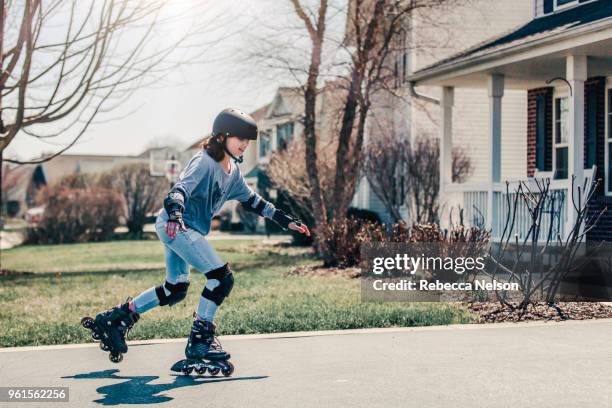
(473, 199)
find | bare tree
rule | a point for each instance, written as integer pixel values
(316, 32)
(140, 191)
(372, 27)
(355, 56)
(385, 167)
(64, 62)
(423, 176)
(287, 170)
(404, 174)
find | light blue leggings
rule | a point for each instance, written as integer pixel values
(187, 248)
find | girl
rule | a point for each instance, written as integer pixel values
(209, 179)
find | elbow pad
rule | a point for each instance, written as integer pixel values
(174, 204)
(255, 204)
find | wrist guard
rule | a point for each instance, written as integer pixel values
(283, 219)
(174, 204)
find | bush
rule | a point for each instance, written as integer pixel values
(364, 215)
(459, 241)
(76, 215)
(77, 180)
(345, 237)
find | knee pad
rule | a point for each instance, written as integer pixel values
(178, 291)
(221, 291)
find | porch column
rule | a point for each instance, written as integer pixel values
(446, 141)
(576, 67)
(495, 88)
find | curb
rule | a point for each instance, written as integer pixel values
(284, 335)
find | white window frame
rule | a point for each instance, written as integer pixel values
(260, 140)
(607, 136)
(281, 124)
(557, 7)
(558, 95)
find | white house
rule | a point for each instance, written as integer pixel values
(434, 34)
(543, 96)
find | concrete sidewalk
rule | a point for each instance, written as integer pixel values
(566, 364)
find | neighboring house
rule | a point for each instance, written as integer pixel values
(19, 187)
(28, 179)
(560, 63)
(71, 163)
(281, 121)
(429, 35)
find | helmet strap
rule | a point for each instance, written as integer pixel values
(236, 159)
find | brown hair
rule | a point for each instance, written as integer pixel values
(214, 147)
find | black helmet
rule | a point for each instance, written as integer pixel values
(232, 122)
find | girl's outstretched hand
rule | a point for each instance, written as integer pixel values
(299, 227)
(172, 227)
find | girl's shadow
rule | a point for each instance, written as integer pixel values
(137, 390)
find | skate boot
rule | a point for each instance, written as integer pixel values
(204, 352)
(203, 344)
(111, 327)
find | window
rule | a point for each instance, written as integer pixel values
(561, 147)
(264, 143)
(400, 66)
(284, 133)
(564, 3)
(609, 143)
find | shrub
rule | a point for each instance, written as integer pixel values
(76, 215)
(345, 236)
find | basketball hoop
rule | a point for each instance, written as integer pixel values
(172, 170)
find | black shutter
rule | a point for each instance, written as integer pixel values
(544, 134)
(590, 138)
(548, 6)
(540, 163)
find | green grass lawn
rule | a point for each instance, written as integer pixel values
(44, 306)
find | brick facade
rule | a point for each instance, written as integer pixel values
(603, 228)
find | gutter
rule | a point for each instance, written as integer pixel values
(414, 94)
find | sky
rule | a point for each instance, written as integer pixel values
(181, 113)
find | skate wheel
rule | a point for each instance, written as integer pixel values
(115, 358)
(200, 370)
(229, 370)
(104, 347)
(214, 371)
(95, 336)
(187, 370)
(87, 322)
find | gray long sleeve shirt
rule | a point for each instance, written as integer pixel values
(206, 187)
